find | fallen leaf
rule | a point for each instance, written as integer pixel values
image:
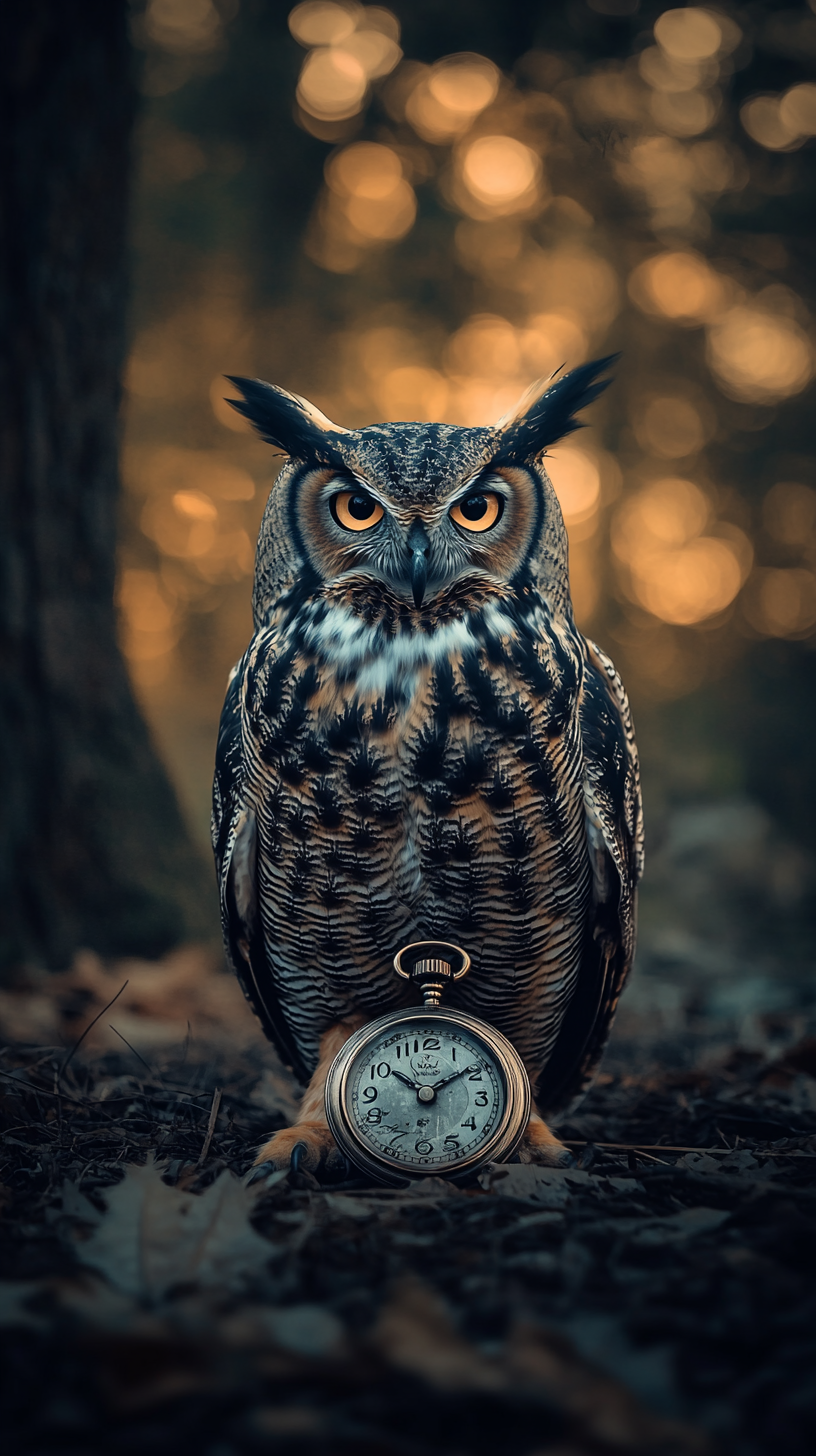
(549, 1186)
(154, 1237)
(524, 1180)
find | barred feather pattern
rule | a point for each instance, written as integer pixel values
(448, 804)
(466, 772)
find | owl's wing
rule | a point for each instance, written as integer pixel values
(234, 837)
(614, 827)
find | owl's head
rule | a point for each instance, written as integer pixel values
(413, 513)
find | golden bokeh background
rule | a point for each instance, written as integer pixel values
(330, 199)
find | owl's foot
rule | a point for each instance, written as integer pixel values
(541, 1146)
(307, 1148)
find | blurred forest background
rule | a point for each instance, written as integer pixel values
(411, 213)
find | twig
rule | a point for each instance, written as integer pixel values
(89, 1027)
(44, 1091)
(216, 1103)
(131, 1048)
(668, 1148)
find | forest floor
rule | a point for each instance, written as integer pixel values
(659, 1298)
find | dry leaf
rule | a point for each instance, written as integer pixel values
(154, 1237)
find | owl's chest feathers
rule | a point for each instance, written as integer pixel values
(440, 763)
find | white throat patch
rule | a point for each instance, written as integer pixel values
(379, 661)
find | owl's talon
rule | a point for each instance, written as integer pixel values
(261, 1173)
(306, 1151)
(298, 1153)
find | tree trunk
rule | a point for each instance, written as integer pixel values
(93, 849)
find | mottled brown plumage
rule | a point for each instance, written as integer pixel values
(418, 744)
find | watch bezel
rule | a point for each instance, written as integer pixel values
(501, 1144)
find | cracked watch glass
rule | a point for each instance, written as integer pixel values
(431, 1091)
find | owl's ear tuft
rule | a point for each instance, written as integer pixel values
(290, 423)
(539, 419)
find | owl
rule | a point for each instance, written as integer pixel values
(418, 744)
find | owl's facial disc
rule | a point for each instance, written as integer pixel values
(418, 545)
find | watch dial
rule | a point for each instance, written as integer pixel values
(425, 1095)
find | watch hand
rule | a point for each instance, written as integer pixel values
(415, 1086)
(452, 1077)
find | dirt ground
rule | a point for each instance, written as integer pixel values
(657, 1298)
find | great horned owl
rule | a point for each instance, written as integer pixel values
(419, 744)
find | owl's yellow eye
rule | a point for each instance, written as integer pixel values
(356, 510)
(479, 511)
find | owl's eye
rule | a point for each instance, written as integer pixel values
(479, 511)
(355, 510)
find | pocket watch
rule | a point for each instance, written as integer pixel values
(429, 1090)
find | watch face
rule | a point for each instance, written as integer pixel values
(425, 1094)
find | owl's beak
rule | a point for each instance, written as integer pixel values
(419, 544)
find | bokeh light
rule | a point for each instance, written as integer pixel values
(450, 95)
(378, 202)
(684, 113)
(332, 84)
(500, 174)
(553, 341)
(678, 180)
(689, 585)
(664, 72)
(368, 202)
(577, 483)
(670, 427)
(681, 286)
(323, 23)
(781, 123)
(486, 345)
(759, 357)
(692, 34)
(377, 53)
(763, 120)
(797, 109)
(353, 45)
(668, 513)
(672, 569)
(781, 602)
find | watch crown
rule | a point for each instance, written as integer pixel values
(431, 965)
